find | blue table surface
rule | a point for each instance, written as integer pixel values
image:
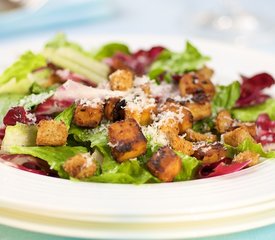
(160, 17)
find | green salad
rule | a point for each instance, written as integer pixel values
(114, 115)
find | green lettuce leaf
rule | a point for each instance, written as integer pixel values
(171, 63)
(72, 56)
(66, 116)
(189, 169)
(248, 145)
(248, 114)
(7, 101)
(15, 79)
(55, 156)
(127, 172)
(226, 97)
(108, 50)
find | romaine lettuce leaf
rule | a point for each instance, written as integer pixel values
(189, 169)
(127, 172)
(108, 50)
(248, 145)
(55, 156)
(66, 116)
(172, 63)
(15, 79)
(34, 99)
(226, 97)
(248, 114)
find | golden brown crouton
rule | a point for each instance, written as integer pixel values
(121, 80)
(181, 145)
(205, 72)
(51, 133)
(191, 83)
(249, 126)
(193, 136)
(170, 126)
(165, 164)
(223, 121)
(146, 88)
(109, 108)
(88, 116)
(80, 166)
(144, 117)
(174, 106)
(247, 155)
(209, 152)
(126, 140)
(199, 110)
(237, 136)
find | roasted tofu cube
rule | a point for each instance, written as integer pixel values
(187, 119)
(126, 140)
(194, 136)
(181, 145)
(199, 110)
(237, 136)
(110, 108)
(88, 115)
(121, 80)
(80, 166)
(165, 164)
(191, 83)
(143, 117)
(209, 152)
(247, 155)
(51, 133)
(223, 121)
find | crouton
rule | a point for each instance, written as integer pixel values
(249, 126)
(126, 140)
(209, 152)
(223, 121)
(237, 136)
(194, 136)
(199, 110)
(109, 108)
(174, 106)
(181, 145)
(88, 115)
(169, 126)
(247, 155)
(144, 117)
(165, 164)
(80, 166)
(51, 133)
(146, 88)
(191, 83)
(121, 80)
(205, 72)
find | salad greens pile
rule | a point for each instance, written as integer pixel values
(41, 87)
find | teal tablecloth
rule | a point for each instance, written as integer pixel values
(138, 17)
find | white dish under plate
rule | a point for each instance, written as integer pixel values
(206, 207)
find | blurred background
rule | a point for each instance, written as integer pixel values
(241, 22)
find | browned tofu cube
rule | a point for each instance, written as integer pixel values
(110, 108)
(194, 136)
(223, 121)
(237, 136)
(80, 166)
(191, 83)
(165, 164)
(143, 117)
(88, 115)
(199, 110)
(247, 155)
(209, 152)
(181, 145)
(51, 133)
(121, 80)
(174, 106)
(126, 140)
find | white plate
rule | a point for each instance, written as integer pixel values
(250, 191)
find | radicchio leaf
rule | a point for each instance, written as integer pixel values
(265, 129)
(251, 89)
